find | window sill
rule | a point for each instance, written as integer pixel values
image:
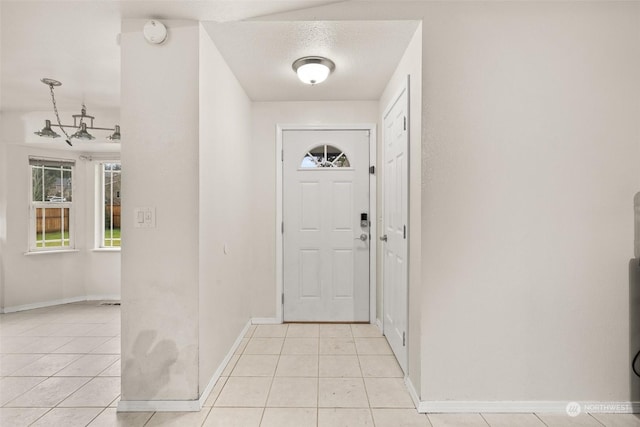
(61, 251)
(106, 250)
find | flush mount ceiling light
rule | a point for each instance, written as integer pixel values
(79, 121)
(313, 69)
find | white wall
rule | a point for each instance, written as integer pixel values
(160, 113)
(266, 115)
(3, 180)
(3, 217)
(531, 156)
(186, 282)
(530, 147)
(27, 279)
(227, 212)
(410, 65)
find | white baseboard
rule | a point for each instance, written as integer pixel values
(412, 392)
(526, 407)
(42, 304)
(183, 405)
(62, 301)
(158, 406)
(218, 373)
(265, 321)
(379, 325)
(111, 297)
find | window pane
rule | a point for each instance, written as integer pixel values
(52, 194)
(112, 183)
(336, 157)
(112, 238)
(53, 185)
(66, 185)
(52, 227)
(309, 161)
(325, 156)
(37, 191)
(39, 218)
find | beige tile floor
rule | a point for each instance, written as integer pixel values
(60, 366)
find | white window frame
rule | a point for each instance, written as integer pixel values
(34, 205)
(100, 207)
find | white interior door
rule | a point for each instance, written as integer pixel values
(395, 221)
(326, 247)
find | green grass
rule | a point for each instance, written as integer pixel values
(115, 238)
(55, 236)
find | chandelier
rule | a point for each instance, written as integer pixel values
(81, 122)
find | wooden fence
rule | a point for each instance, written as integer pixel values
(53, 218)
(116, 216)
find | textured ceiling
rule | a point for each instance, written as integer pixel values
(76, 42)
(261, 53)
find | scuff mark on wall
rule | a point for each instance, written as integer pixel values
(151, 361)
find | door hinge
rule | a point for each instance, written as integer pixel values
(282, 155)
(404, 231)
(405, 122)
(282, 227)
(282, 299)
(372, 170)
(404, 341)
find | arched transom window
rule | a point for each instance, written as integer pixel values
(325, 156)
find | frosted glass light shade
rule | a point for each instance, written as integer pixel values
(312, 70)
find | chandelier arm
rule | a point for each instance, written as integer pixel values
(77, 127)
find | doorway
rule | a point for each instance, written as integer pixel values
(327, 201)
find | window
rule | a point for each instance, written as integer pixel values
(110, 203)
(325, 156)
(51, 225)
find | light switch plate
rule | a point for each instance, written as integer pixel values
(144, 217)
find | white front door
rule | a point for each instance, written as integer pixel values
(326, 246)
(395, 221)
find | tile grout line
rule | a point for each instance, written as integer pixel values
(42, 416)
(597, 420)
(97, 415)
(264, 409)
(318, 383)
(204, 420)
(364, 385)
(484, 419)
(538, 417)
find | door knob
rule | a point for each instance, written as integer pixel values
(362, 237)
(383, 237)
